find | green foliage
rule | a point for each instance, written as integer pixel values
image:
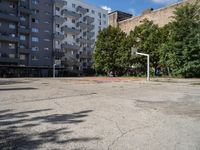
(110, 52)
(147, 38)
(174, 47)
(181, 51)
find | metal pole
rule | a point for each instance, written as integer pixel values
(148, 66)
(54, 70)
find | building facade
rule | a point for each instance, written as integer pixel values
(76, 26)
(127, 22)
(35, 34)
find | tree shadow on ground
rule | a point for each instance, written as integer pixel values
(16, 129)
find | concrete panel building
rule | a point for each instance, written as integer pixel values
(35, 34)
(76, 26)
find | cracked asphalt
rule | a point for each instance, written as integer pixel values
(99, 114)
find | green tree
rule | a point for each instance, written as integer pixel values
(181, 51)
(147, 38)
(110, 55)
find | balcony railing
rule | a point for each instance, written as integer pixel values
(24, 10)
(8, 60)
(58, 53)
(88, 19)
(8, 38)
(24, 30)
(89, 34)
(59, 19)
(67, 13)
(68, 46)
(7, 16)
(68, 30)
(81, 10)
(59, 3)
(24, 50)
(58, 36)
(86, 41)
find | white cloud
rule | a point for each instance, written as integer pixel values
(165, 1)
(107, 8)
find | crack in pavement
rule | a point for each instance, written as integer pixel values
(123, 134)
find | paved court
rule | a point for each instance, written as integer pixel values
(99, 114)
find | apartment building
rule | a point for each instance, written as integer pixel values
(35, 34)
(76, 26)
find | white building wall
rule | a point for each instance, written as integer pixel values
(100, 21)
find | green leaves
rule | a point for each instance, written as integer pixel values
(176, 46)
(181, 51)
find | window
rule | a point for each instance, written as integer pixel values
(57, 26)
(22, 18)
(46, 49)
(35, 48)
(99, 15)
(35, 11)
(35, 39)
(46, 31)
(47, 13)
(93, 12)
(73, 5)
(34, 57)
(22, 37)
(35, 20)
(104, 15)
(11, 46)
(57, 9)
(73, 21)
(12, 26)
(22, 57)
(11, 55)
(47, 40)
(36, 30)
(104, 22)
(12, 5)
(35, 2)
(46, 22)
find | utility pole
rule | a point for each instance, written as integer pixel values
(134, 52)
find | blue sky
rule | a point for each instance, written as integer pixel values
(131, 6)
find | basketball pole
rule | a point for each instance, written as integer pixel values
(134, 52)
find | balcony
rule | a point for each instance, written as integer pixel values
(24, 50)
(89, 49)
(58, 53)
(85, 41)
(24, 30)
(8, 60)
(8, 38)
(58, 36)
(89, 34)
(59, 3)
(84, 55)
(90, 27)
(9, 17)
(81, 10)
(67, 13)
(58, 19)
(68, 30)
(67, 46)
(24, 10)
(82, 25)
(88, 19)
